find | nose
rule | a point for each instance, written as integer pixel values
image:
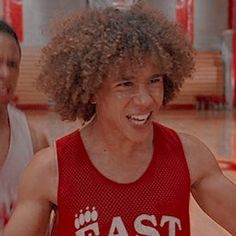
(142, 97)
(4, 71)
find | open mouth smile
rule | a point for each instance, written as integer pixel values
(139, 119)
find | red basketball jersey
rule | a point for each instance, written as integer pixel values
(157, 204)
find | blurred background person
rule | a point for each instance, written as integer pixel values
(19, 139)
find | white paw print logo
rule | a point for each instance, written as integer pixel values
(86, 223)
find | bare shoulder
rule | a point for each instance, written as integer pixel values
(200, 159)
(40, 176)
(40, 138)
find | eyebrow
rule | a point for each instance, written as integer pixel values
(156, 75)
(124, 78)
(132, 77)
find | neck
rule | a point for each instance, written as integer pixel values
(112, 143)
(118, 159)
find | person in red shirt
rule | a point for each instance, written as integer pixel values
(122, 173)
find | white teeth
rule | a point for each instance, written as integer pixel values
(139, 117)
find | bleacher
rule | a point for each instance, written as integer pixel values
(27, 94)
(207, 83)
(208, 80)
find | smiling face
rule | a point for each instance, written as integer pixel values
(9, 67)
(126, 105)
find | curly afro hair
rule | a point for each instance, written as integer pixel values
(89, 45)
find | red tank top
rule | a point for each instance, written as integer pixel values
(157, 204)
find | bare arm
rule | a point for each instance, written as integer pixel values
(214, 193)
(37, 193)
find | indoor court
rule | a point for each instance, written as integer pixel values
(205, 106)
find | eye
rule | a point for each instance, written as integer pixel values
(12, 64)
(156, 79)
(125, 84)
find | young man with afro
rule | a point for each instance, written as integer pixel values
(122, 173)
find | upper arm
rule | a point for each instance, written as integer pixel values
(34, 203)
(215, 194)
